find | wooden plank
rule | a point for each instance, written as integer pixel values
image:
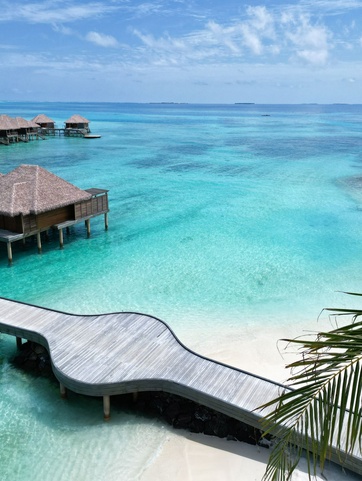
(117, 353)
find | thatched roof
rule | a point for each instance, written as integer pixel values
(42, 119)
(21, 123)
(25, 124)
(76, 119)
(7, 123)
(30, 189)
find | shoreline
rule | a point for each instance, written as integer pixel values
(187, 456)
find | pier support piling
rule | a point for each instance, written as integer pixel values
(61, 239)
(19, 342)
(87, 223)
(38, 240)
(106, 220)
(10, 253)
(106, 407)
(63, 391)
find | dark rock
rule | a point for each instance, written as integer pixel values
(171, 412)
(34, 359)
(182, 421)
(179, 412)
(202, 413)
(216, 426)
(38, 349)
(197, 426)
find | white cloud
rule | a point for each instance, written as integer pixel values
(64, 30)
(53, 11)
(223, 36)
(262, 33)
(261, 20)
(101, 40)
(252, 40)
(310, 42)
(332, 6)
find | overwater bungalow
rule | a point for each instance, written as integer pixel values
(76, 124)
(33, 200)
(44, 121)
(45, 124)
(8, 130)
(17, 129)
(27, 129)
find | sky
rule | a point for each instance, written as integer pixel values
(195, 51)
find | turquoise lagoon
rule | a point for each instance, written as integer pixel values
(221, 216)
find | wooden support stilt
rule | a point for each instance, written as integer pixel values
(61, 240)
(106, 220)
(63, 391)
(87, 223)
(38, 240)
(10, 253)
(19, 342)
(135, 397)
(106, 407)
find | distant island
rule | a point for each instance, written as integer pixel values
(168, 103)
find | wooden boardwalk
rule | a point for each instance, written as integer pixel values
(108, 354)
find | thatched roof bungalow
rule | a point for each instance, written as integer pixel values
(26, 127)
(44, 121)
(33, 199)
(15, 129)
(77, 122)
(8, 129)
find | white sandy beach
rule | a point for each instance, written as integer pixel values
(196, 457)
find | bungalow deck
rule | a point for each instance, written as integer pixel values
(117, 353)
(67, 132)
(34, 201)
(10, 237)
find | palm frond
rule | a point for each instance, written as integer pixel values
(322, 413)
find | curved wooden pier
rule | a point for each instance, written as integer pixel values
(108, 354)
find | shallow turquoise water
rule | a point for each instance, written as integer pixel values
(220, 216)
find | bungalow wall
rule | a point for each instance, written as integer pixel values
(95, 205)
(31, 223)
(56, 216)
(13, 224)
(77, 126)
(100, 204)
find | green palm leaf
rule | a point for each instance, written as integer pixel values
(321, 413)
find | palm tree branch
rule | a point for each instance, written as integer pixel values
(327, 398)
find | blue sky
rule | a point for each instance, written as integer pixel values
(199, 51)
